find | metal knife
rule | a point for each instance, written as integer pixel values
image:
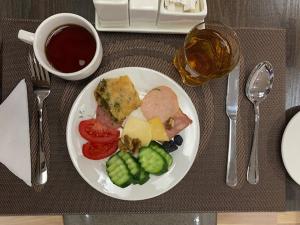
(231, 111)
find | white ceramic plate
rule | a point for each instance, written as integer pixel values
(290, 148)
(93, 171)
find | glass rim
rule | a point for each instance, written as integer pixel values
(212, 23)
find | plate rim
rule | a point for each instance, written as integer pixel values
(68, 127)
(283, 140)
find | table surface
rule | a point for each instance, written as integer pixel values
(237, 13)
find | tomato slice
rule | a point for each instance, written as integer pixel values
(96, 151)
(95, 132)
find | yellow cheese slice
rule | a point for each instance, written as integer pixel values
(158, 130)
(137, 128)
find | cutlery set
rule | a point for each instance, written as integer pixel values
(258, 86)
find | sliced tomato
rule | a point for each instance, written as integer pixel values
(95, 132)
(99, 151)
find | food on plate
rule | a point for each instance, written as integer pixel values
(152, 161)
(131, 163)
(96, 151)
(138, 114)
(129, 144)
(123, 168)
(159, 149)
(178, 140)
(170, 146)
(143, 177)
(169, 124)
(160, 102)
(143, 124)
(118, 96)
(104, 117)
(181, 121)
(118, 172)
(158, 130)
(102, 140)
(137, 128)
(95, 132)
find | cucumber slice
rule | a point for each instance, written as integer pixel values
(160, 150)
(144, 177)
(132, 165)
(152, 162)
(118, 172)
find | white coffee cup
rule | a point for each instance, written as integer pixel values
(39, 38)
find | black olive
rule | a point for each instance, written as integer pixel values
(178, 140)
(173, 147)
(170, 146)
(166, 145)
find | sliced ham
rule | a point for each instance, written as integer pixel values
(181, 121)
(160, 102)
(104, 117)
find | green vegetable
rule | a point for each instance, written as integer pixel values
(160, 150)
(152, 162)
(124, 169)
(132, 165)
(144, 177)
(118, 172)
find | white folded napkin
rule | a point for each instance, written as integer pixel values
(14, 133)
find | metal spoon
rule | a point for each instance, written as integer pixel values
(258, 87)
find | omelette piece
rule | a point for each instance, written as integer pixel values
(118, 96)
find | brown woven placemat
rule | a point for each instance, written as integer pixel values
(203, 188)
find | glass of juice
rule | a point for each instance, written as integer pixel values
(209, 51)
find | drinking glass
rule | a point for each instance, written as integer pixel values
(209, 51)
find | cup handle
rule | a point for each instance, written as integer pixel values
(26, 36)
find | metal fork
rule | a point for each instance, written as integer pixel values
(41, 88)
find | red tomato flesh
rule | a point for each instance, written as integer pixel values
(96, 151)
(95, 132)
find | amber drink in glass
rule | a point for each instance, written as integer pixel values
(209, 51)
